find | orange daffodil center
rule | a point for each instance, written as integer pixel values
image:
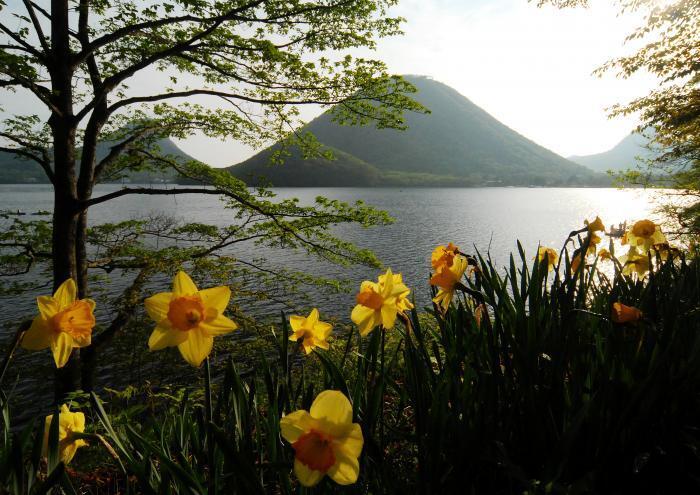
(325, 440)
(189, 318)
(64, 323)
(644, 228)
(443, 255)
(315, 450)
(69, 423)
(370, 298)
(186, 312)
(643, 235)
(625, 314)
(379, 303)
(311, 331)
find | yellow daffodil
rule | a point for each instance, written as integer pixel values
(69, 423)
(550, 254)
(401, 291)
(592, 240)
(625, 314)
(378, 303)
(443, 255)
(447, 278)
(64, 323)
(325, 440)
(189, 318)
(635, 262)
(595, 225)
(604, 254)
(314, 332)
(643, 235)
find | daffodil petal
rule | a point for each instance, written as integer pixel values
(296, 322)
(443, 298)
(157, 306)
(183, 285)
(306, 476)
(197, 347)
(216, 297)
(313, 317)
(295, 424)
(165, 336)
(66, 293)
(322, 344)
(61, 347)
(361, 315)
(78, 421)
(68, 452)
(38, 336)
(332, 406)
(218, 326)
(346, 468)
(353, 441)
(389, 315)
(323, 330)
(48, 306)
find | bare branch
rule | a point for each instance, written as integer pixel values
(148, 191)
(211, 92)
(37, 26)
(29, 48)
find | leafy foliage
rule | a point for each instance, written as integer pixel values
(525, 385)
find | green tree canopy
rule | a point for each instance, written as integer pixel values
(234, 69)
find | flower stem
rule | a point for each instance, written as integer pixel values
(209, 420)
(381, 402)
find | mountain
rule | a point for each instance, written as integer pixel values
(621, 157)
(15, 169)
(344, 170)
(458, 143)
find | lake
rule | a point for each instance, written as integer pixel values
(489, 219)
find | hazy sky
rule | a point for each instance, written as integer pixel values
(529, 67)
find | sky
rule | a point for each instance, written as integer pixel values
(529, 67)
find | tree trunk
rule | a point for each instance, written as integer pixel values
(66, 211)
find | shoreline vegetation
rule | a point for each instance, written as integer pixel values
(556, 376)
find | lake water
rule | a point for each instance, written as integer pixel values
(489, 219)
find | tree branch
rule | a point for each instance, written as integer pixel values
(115, 151)
(148, 191)
(37, 26)
(211, 92)
(29, 48)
